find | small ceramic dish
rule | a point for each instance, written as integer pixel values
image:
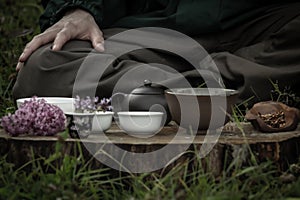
(102, 121)
(140, 122)
(79, 125)
(64, 103)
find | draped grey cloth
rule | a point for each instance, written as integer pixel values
(248, 58)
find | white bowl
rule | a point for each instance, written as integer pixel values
(80, 124)
(141, 123)
(64, 103)
(102, 121)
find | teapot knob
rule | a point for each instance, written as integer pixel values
(147, 82)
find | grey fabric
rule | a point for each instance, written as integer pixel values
(248, 57)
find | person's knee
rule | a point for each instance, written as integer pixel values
(25, 85)
(46, 73)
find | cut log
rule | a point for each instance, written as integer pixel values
(233, 145)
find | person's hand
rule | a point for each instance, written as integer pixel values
(77, 24)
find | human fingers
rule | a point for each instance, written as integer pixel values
(36, 42)
(61, 38)
(97, 40)
(19, 66)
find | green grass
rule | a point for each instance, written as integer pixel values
(72, 177)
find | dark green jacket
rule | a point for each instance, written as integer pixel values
(188, 16)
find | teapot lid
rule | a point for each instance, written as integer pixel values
(149, 88)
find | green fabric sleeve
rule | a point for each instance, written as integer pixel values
(192, 17)
(56, 9)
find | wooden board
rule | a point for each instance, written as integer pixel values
(231, 134)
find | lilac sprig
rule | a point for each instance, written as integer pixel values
(35, 117)
(92, 104)
(86, 104)
(104, 105)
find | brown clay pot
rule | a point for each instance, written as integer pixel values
(191, 108)
(273, 116)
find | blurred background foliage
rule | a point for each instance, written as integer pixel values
(18, 24)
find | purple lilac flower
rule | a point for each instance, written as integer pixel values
(84, 104)
(104, 105)
(89, 104)
(34, 117)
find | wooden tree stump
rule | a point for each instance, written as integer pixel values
(233, 145)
